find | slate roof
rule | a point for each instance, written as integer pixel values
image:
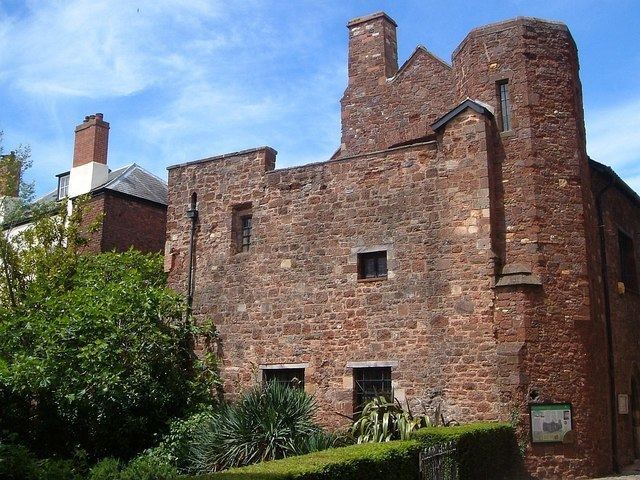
(475, 105)
(131, 180)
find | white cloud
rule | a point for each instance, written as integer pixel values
(613, 138)
(99, 48)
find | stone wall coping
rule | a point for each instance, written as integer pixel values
(370, 17)
(505, 25)
(373, 363)
(283, 366)
(222, 157)
(419, 49)
(351, 157)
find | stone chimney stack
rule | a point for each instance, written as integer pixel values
(92, 138)
(373, 58)
(89, 156)
(373, 49)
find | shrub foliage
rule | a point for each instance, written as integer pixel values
(97, 359)
(265, 424)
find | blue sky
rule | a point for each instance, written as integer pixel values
(184, 79)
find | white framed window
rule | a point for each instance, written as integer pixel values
(63, 187)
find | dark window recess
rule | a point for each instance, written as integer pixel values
(372, 265)
(63, 187)
(504, 105)
(628, 274)
(369, 383)
(245, 222)
(242, 228)
(289, 377)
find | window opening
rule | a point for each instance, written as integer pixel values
(288, 377)
(504, 105)
(372, 265)
(628, 274)
(63, 187)
(242, 228)
(369, 383)
(246, 232)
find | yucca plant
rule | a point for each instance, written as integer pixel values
(383, 421)
(266, 424)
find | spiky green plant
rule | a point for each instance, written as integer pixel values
(266, 424)
(383, 421)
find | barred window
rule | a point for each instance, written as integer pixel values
(369, 383)
(242, 228)
(372, 265)
(289, 377)
(504, 105)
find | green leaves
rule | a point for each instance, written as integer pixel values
(101, 363)
(274, 422)
(383, 421)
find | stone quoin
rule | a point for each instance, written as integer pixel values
(448, 254)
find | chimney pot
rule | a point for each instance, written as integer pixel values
(91, 142)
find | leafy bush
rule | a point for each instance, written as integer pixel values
(105, 469)
(383, 421)
(266, 424)
(485, 452)
(174, 447)
(148, 468)
(17, 463)
(97, 358)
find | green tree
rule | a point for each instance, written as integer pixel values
(94, 349)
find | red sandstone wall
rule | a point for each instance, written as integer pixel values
(552, 337)
(129, 222)
(295, 297)
(381, 106)
(450, 225)
(622, 213)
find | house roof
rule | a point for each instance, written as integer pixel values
(615, 180)
(132, 180)
(476, 105)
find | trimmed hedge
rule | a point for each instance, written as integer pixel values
(486, 451)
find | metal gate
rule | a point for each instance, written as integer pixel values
(439, 462)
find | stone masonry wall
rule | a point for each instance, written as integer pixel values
(457, 211)
(295, 296)
(382, 106)
(622, 213)
(549, 228)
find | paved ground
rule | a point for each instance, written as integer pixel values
(632, 472)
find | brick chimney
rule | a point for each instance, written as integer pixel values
(373, 49)
(92, 138)
(89, 156)
(9, 175)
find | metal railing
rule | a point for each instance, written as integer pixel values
(438, 462)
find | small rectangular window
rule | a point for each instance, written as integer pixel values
(628, 274)
(372, 265)
(246, 232)
(369, 383)
(504, 107)
(288, 377)
(242, 225)
(63, 187)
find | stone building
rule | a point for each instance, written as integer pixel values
(447, 255)
(129, 203)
